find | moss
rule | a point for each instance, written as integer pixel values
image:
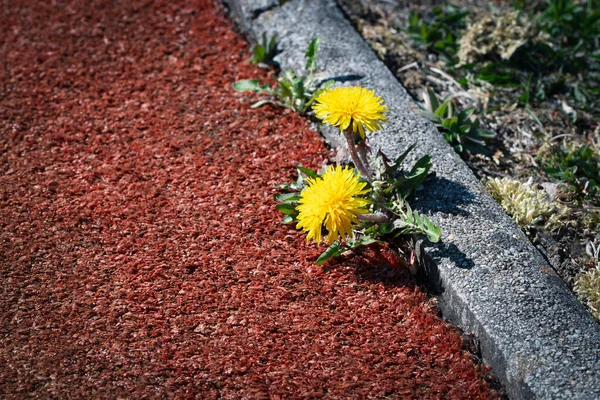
(496, 36)
(524, 203)
(587, 289)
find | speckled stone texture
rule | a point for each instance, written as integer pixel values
(538, 338)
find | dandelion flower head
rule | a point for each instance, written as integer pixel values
(354, 105)
(332, 201)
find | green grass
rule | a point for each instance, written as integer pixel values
(559, 54)
(575, 166)
(546, 56)
(440, 34)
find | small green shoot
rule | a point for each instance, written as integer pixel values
(294, 92)
(461, 129)
(442, 33)
(265, 52)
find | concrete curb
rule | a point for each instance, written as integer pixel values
(538, 338)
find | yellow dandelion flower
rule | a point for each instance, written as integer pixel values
(351, 105)
(331, 201)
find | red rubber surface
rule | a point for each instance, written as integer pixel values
(140, 252)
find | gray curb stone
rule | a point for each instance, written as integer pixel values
(538, 338)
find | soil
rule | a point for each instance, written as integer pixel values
(383, 23)
(141, 253)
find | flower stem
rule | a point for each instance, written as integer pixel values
(376, 217)
(354, 155)
(361, 149)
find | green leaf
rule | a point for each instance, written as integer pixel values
(299, 184)
(433, 232)
(472, 139)
(411, 222)
(284, 90)
(249, 84)
(579, 94)
(265, 51)
(259, 56)
(534, 116)
(433, 102)
(286, 208)
(334, 250)
(485, 134)
(311, 54)
(448, 123)
(422, 166)
(284, 186)
(272, 44)
(287, 85)
(314, 96)
(366, 240)
(287, 197)
(415, 178)
(432, 117)
(465, 115)
(443, 109)
(328, 84)
(400, 159)
(385, 229)
(307, 171)
(289, 76)
(413, 18)
(288, 219)
(298, 90)
(261, 103)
